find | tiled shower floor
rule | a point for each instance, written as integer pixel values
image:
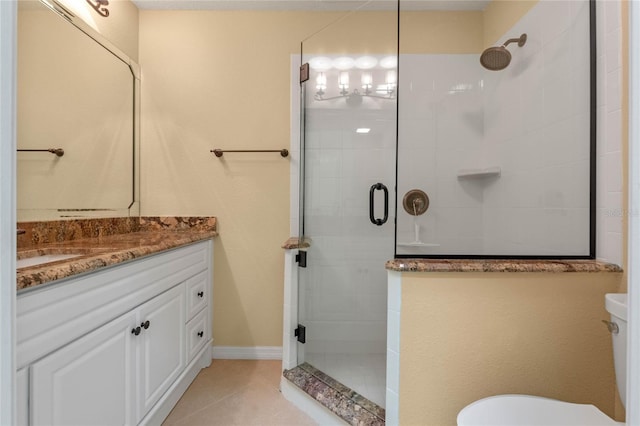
(366, 374)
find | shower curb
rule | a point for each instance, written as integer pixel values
(341, 400)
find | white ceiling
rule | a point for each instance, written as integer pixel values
(311, 4)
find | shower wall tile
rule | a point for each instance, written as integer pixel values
(538, 205)
(613, 162)
(613, 126)
(613, 59)
(613, 217)
(558, 16)
(441, 126)
(393, 346)
(609, 243)
(612, 12)
(613, 94)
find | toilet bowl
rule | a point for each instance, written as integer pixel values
(517, 410)
(521, 410)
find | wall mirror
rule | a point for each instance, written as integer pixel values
(78, 115)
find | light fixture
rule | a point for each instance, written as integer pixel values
(369, 76)
(363, 130)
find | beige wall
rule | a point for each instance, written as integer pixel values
(437, 32)
(120, 27)
(500, 15)
(499, 333)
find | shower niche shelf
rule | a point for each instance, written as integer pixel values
(479, 173)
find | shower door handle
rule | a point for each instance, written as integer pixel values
(378, 186)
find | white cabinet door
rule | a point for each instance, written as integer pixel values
(162, 348)
(90, 381)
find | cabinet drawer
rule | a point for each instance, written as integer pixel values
(197, 294)
(197, 334)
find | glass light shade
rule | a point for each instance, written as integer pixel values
(366, 62)
(344, 63)
(389, 62)
(320, 63)
(367, 80)
(391, 78)
(321, 81)
(343, 80)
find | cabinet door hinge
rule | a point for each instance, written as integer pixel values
(301, 333)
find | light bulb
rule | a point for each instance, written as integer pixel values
(391, 80)
(391, 77)
(343, 80)
(321, 81)
(367, 80)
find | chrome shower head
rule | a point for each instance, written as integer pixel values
(498, 58)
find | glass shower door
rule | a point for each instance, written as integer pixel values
(348, 197)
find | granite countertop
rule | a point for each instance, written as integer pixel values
(499, 265)
(106, 249)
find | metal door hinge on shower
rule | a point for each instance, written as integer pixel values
(377, 187)
(301, 333)
(301, 258)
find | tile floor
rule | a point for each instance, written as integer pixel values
(237, 392)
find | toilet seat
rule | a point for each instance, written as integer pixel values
(521, 410)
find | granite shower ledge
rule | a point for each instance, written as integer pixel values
(499, 265)
(101, 252)
(296, 243)
(344, 402)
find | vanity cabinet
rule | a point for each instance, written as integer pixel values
(143, 346)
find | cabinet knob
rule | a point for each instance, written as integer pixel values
(145, 324)
(201, 294)
(135, 331)
(200, 333)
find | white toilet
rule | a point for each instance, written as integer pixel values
(515, 410)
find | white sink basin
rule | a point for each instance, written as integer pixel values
(46, 258)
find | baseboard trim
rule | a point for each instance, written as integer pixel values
(247, 352)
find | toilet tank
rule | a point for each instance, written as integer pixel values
(616, 305)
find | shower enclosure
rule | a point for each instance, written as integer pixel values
(412, 146)
(349, 151)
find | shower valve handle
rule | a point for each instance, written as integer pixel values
(377, 187)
